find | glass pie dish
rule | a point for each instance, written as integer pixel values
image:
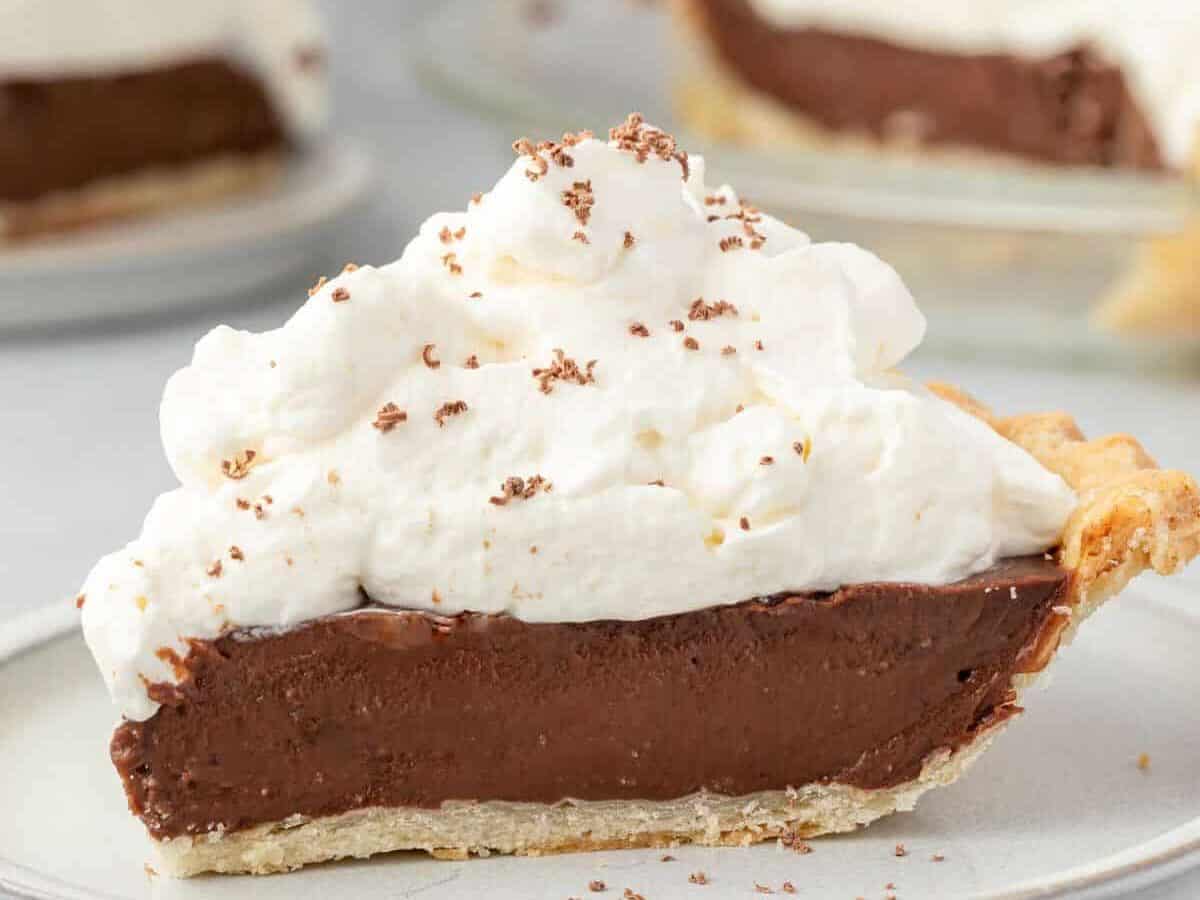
(1003, 256)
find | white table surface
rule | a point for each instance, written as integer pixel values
(80, 457)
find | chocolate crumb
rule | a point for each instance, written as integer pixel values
(691, 343)
(767, 461)
(629, 240)
(428, 358)
(728, 350)
(349, 267)
(701, 311)
(657, 482)
(937, 857)
(563, 368)
(900, 851)
(388, 417)
(596, 886)
(632, 895)
(477, 197)
(744, 523)
(474, 295)
(235, 552)
(698, 878)
(666, 857)
(339, 295)
(740, 408)
(730, 243)
(714, 200)
(80, 600)
(788, 888)
(450, 261)
(242, 503)
(214, 571)
(712, 218)
(259, 512)
(472, 362)
(515, 488)
(321, 282)
(581, 237)
(637, 329)
(444, 235)
(676, 325)
(642, 140)
(446, 410)
(239, 467)
(333, 477)
(758, 345)
(525, 147)
(762, 889)
(580, 200)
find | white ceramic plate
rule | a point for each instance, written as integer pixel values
(1057, 808)
(195, 256)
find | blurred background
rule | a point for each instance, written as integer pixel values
(1011, 264)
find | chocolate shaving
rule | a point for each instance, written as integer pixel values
(214, 571)
(762, 889)
(428, 358)
(444, 235)
(242, 503)
(730, 243)
(676, 325)
(788, 888)
(563, 368)
(515, 488)
(477, 197)
(472, 362)
(388, 417)
(235, 552)
(596, 886)
(474, 295)
(744, 523)
(728, 350)
(80, 600)
(580, 200)
(767, 461)
(643, 141)
(239, 467)
(629, 240)
(691, 343)
(758, 345)
(900, 851)
(450, 261)
(581, 237)
(700, 311)
(349, 267)
(339, 295)
(525, 147)
(697, 878)
(453, 408)
(637, 329)
(321, 282)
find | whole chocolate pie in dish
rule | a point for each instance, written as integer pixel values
(602, 518)
(1053, 82)
(116, 108)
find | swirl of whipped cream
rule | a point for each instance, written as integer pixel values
(278, 40)
(602, 392)
(1153, 41)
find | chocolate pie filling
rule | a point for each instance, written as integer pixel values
(59, 134)
(1073, 107)
(392, 708)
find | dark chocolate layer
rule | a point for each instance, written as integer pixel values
(1071, 108)
(62, 133)
(387, 708)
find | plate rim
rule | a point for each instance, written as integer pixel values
(1151, 862)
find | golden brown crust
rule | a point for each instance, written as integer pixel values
(1132, 515)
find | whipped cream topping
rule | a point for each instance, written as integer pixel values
(699, 404)
(1153, 41)
(281, 41)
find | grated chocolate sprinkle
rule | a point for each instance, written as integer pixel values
(563, 368)
(596, 886)
(700, 311)
(580, 200)
(581, 237)
(728, 350)
(389, 416)
(214, 571)
(767, 461)
(643, 141)
(339, 295)
(637, 329)
(235, 552)
(697, 878)
(450, 261)
(788, 888)
(428, 358)
(690, 343)
(444, 235)
(744, 523)
(515, 488)
(241, 464)
(629, 240)
(762, 889)
(676, 325)
(453, 408)
(472, 362)
(321, 282)
(730, 243)
(900, 850)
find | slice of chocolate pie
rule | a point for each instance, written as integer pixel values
(116, 108)
(601, 518)
(1051, 82)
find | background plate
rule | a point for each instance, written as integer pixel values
(1058, 807)
(205, 255)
